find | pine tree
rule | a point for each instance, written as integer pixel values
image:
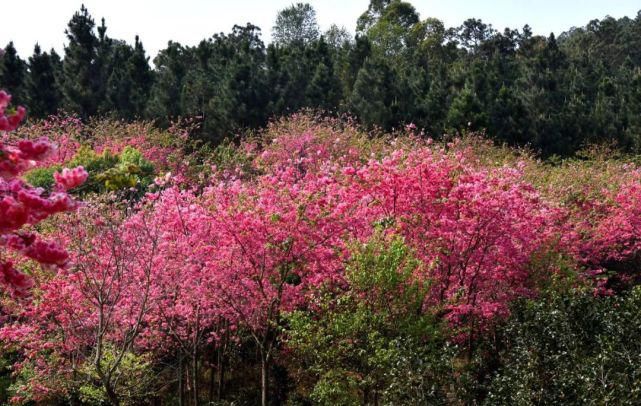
(466, 111)
(323, 90)
(165, 96)
(42, 88)
(141, 78)
(129, 80)
(356, 57)
(246, 78)
(79, 78)
(374, 98)
(13, 72)
(103, 65)
(117, 98)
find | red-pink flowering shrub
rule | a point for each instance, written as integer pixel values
(70, 178)
(65, 131)
(22, 205)
(476, 230)
(97, 303)
(607, 233)
(9, 122)
(187, 271)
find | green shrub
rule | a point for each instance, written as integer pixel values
(42, 177)
(371, 343)
(133, 388)
(107, 171)
(571, 349)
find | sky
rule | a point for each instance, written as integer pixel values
(188, 21)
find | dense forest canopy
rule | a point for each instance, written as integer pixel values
(555, 95)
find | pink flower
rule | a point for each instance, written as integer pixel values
(70, 178)
(47, 253)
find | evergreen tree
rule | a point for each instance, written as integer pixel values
(79, 71)
(466, 110)
(556, 95)
(118, 90)
(129, 80)
(164, 100)
(374, 98)
(13, 72)
(245, 78)
(356, 57)
(42, 87)
(546, 97)
(141, 77)
(104, 65)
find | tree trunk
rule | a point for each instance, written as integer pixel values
(220, 353)
(113, 398)
(212, 383)
(181, 401)
(194, 372)
(264, 382)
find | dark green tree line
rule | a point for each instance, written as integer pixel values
(553, 94)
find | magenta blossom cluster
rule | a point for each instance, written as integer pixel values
(22, 205)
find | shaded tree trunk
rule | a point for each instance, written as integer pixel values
(181, 400)
(194, 378)
(264, 378)
(221, 373)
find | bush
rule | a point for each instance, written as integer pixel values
(42, 177)
(373, 342)
(571, 349)
(107, 171)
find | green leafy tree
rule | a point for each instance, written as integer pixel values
(389, 26)
(570, 348)
(373, 343)
(337, 36)
(296, 25)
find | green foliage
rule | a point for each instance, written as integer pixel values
(134, 386)
(164, 98)
(554, 95)
(129, 81)
(13, 72)
(373, 341)
(42, 177)
(5, 377)
(80, 86)
(107, 171)
(375, 96)
(571, 348)
(227, 156)
(296, 24)
(42, 88)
